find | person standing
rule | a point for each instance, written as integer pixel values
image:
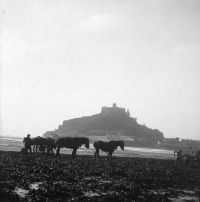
(27, 144)
(189, 157)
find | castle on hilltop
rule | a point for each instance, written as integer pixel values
(114, 110)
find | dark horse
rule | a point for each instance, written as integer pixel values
(109, 147)
(42, 143)
(72, 143)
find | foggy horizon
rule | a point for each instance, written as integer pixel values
(138, 121)
(67, 59)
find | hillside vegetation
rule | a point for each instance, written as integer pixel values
(112, 121)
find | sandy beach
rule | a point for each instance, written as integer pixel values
(136, 174)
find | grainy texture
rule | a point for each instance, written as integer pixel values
(49, 178)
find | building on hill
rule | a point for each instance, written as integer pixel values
(113, 123)
(114, 110)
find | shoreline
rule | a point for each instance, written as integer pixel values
(117, 153)
(13, 144)
(85, 178)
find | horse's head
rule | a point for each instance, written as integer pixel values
(121, 144)
(87, 143)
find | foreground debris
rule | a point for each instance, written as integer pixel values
(38, 177)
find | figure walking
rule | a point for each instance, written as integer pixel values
(27, 144)
(179, 158)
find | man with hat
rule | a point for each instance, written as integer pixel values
(27, 144)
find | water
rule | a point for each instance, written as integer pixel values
(91, 194)
(164, 151)
(22, 193)
(184, 198)
(3, 138)
(35, 185)
(182, 195)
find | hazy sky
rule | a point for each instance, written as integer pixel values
(66, 59)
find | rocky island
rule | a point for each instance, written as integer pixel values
(112, 123)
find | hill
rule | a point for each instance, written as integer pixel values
(112, 123)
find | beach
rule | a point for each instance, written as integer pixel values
(135, 174)
(16, 144)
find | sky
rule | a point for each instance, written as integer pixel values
(66, 59)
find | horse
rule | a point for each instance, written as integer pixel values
(109, 147)
(38, 143)
(43, 143)
(50, 145)
(72, 143)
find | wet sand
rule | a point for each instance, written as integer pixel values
(38, 177)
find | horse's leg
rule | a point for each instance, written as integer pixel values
(51, 150)
(97, 152)
(109, 154)
(58, 150)
(74, 152)
(48, 150)
(29, 148)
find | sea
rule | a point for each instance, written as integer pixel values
(16, 144)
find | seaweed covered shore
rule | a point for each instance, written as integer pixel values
(38, 177)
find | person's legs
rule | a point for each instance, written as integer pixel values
(28, 149)
(25, 149)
